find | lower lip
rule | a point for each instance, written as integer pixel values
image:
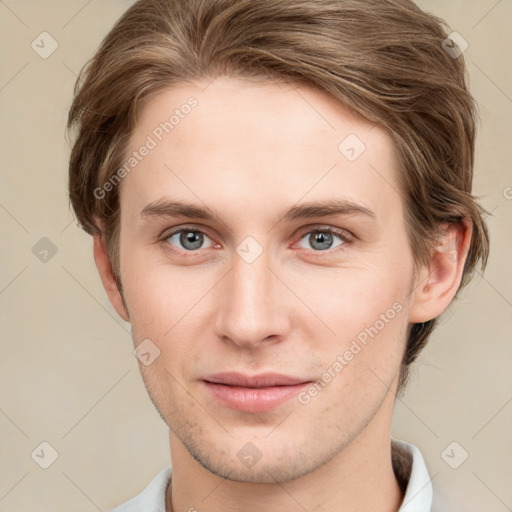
(254, 399)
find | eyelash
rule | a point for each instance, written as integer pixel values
(343, 235)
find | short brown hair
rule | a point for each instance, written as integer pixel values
(383, 58)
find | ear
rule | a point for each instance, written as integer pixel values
(107, 277)
(439, 281)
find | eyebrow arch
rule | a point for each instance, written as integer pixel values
(167, 208)
(325, 208)
(170, 208)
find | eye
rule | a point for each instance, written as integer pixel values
(190, 239)
(187, 239)
(322, 239)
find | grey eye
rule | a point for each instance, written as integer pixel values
(189, 240)
(322, 240)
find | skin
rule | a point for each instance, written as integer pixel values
(250, 151)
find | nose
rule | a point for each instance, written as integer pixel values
(252, 305)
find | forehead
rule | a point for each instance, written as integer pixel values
(272, 143)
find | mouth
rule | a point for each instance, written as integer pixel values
(256, 393)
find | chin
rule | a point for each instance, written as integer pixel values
(270, 465)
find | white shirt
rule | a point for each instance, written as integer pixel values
(406, 459)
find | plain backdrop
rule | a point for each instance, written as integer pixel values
(68, 376)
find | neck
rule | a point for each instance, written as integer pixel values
(360, 477)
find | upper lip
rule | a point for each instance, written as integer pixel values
(253, 381)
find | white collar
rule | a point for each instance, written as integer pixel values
(418, 494)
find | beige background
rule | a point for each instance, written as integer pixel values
(67, 372)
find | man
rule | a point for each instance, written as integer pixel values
(280, 198)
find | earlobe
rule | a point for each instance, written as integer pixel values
(107, 277)
(438, 284)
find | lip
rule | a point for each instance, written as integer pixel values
(256, 393)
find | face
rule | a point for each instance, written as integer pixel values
(264, 256)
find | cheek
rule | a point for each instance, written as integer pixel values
(157, 301)
(350, 299)
(168, 304)
(362, 361)
(365, 307)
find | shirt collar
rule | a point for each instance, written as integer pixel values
(408, 463)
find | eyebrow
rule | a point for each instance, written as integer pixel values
(174, 208)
